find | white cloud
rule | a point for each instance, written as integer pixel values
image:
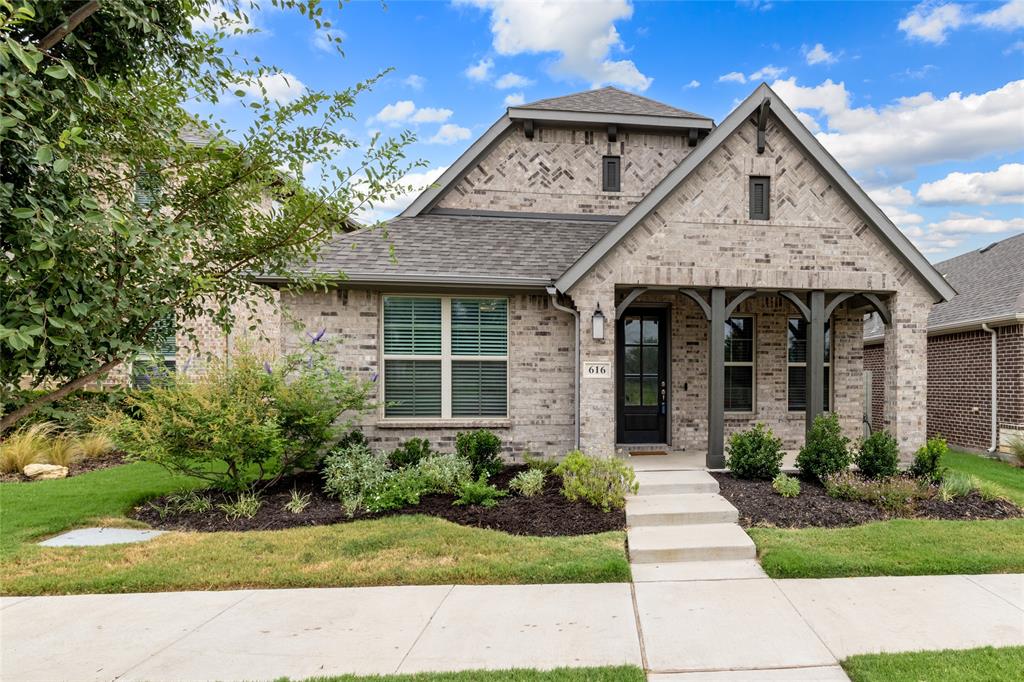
(964, 224)
(449, 133)
(764, 73)
(932, 23)
(912, 131)
(896, 195)
(405, 110)
(582, 33)
(1005, 185)
(732, 77)
(397, 112)
(415, 81)
(1008, 17)
(431, 115)
(819, 55)
(481, 71)
(412, 184)
(512, 80)
(692, 84)
(1016, 47)
(326, 39)
(280, 87)
(514, 99)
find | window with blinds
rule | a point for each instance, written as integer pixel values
(445, 357)
(760, 195)
(739, 364)
(796, 360)
(161, 360)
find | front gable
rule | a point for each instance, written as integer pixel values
(695, 227)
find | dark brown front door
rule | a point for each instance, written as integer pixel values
(642, 375)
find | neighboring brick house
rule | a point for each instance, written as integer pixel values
(988, 309)
(606, 271)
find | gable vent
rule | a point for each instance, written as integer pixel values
(760, 195)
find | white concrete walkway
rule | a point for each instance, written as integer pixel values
(752, 629)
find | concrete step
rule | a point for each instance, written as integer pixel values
(675, 482)
(734, 569)
(667, 510)
(702, 542)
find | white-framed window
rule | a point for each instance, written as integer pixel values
(444, 357)
(796, 360)
(161, 360)
(739, 364)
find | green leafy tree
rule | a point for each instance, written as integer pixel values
(120, 207)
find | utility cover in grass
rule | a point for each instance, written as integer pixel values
(91, 537)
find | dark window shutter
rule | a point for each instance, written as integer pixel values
(760, 195)
(610, 176)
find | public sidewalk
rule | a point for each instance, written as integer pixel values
(758, 628)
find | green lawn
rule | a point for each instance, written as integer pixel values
(625, 673)
(969, 665)
(904, 547)
(1008, 477)
(401, 550)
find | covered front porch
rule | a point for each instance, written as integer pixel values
(677, 369)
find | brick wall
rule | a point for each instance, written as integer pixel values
(959, 383)
(874, 362)
(541, 414)
(560, 169)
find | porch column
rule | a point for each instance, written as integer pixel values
(716, 379)
(906, 370)
(815, 374)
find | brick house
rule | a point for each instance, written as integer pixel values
(606, 271)
(973, 339)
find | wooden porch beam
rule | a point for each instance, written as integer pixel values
(695, 296)
(630, 297)
(815, 371)
(716, 379)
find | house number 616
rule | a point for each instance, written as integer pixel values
(597, 370)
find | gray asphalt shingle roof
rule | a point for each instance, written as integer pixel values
(462, 247)
(989, 284)
(609, 100)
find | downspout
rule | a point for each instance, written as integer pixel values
(553, 293)
(994, 401)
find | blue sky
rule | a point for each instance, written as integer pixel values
(923, 103)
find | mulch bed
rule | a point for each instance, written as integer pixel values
(112, 459)
(760, 505)
(545, 514)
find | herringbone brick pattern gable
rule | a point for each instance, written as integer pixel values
(559, 171)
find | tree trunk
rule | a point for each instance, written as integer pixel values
(11, 418)
(70, 24)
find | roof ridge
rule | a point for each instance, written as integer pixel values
(583, 101)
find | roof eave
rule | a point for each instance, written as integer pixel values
(633, 120)
(910, 255)
(426, 279)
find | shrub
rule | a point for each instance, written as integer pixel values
(755, 453)
(351, 473)
(989, 491)
(878, 455)
(787, 486)
(956, 484)
(245, 506)
(928, 460)
(602, 481)
(528, 483)
(843, 486)
(1017, 449)
(445, 473)
(93, 445)
(28, 445)
(410, 453)
(243, 423)
(399, 489)
(539, 462)
(479, 492)
(482, 449)
(189, 502)
(826, 451)
(297, 502)
(352, 437)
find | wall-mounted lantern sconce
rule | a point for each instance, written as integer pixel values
(598, 323)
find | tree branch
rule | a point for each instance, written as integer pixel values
(12, 417)
(70, 24)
